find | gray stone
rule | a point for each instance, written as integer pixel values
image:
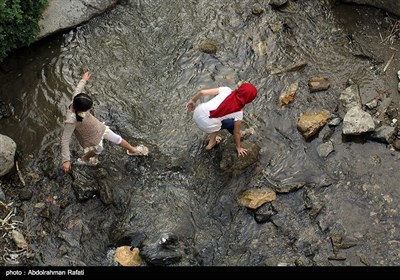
(25, 194)
(356, 122)
(277, 3)
(349, 98)
(325, 149)
(384, 134)
(61, 15)
(387, 5)
(209, 47)
(334, 122)
(7, 153)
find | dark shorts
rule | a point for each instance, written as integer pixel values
(228, 124)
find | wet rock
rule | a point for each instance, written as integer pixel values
(128, 257)
(385, 134)
(208, 47)
(25, 194)
(164, 251)
(106, 194)
(19, 239)
(167, 240)
(84, 185)
(287, 96)
(337, 258)
(387, 5)
(264, 213)
(56, 19)
(338, 243)
(62, 250)
(303, 261)
(156, 255)
(334, 121)
(5, 110)
(257, 9)
(7, 153)
(288, 22)
(291, 68)
(315, 210)
(396, 144)
(391, 110)
(276, 27)
(325, 149)
(306, 249)
(318, 83)
(292, 7)
(287, 188)
(44, 213)
(372, 104)
(254, 198)
(327, 133)
(134, 240)
(230, 161)
(349, 98)
(260, 48)
(356, 122)
(277, 3)
(64, 202)
(40, 205)
(364, 260)
(310, 124)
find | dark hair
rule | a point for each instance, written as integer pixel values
(82, 102)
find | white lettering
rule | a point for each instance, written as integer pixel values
(13, 272)
(75, 272)
(46, 272)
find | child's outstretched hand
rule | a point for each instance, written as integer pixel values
(190, 105)
(66, 166)
(86, 75)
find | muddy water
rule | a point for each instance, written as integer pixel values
(146, 64)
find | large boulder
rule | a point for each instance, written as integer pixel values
(7, 153)
(61, 15)
(232, 163)
(390, 6)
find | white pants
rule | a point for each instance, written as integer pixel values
(110, 136)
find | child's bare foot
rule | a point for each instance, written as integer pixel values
(141, 150)
(212, 144)
(247, 132)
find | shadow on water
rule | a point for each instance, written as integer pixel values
(146, 64)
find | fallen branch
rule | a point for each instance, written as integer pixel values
(387, 64)
(20, 174)
(8, 217)
(393, 31)
(6, 205)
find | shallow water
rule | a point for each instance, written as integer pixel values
(146, 64)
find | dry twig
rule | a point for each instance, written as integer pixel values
(387, 64)
(21, 178)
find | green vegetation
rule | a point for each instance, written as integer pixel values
(19, 23)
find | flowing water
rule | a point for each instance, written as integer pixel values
(146, 64)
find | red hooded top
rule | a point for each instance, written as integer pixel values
(235, 101)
